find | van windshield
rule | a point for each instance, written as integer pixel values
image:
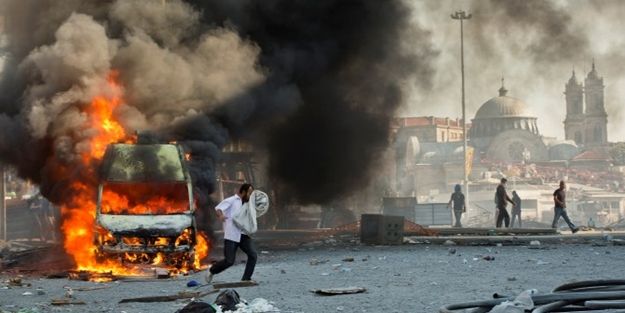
(144, 198)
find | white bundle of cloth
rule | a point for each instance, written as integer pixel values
(256, 207)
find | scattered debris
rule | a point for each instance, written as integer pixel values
(521, 303)
(198, 306)
(452, 251)
(92, 288)
(228, 300)
(255, 306)
(162, 273)
(193, 283)
(618, 242)
(58, 275)
(449, 243)
(169, 298)
(511, 278)
(409, 241)
(339, 291)
(27, 293)
(66, 302)
(534, 243)
(17, 282)
(349, 259)
(91, 276)
(69, 292)
(317, 262)
(488, 258)
(282, 271)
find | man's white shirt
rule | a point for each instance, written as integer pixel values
(229, 207)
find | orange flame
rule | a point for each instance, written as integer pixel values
(79, 212)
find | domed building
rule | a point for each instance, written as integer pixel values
(503, 130)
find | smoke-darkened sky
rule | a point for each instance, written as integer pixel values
(534, 44)
(313, 83)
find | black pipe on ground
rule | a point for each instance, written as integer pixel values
(593, 295)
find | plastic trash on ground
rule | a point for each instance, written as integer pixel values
(522, 303)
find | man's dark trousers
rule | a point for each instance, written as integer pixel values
(230, 251)
(503, 217)
(516, 214)
(556, 217)
(458, 215)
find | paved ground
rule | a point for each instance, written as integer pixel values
(409, 278)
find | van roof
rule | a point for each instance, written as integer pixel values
(143, 163)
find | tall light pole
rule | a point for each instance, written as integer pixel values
(461, 16)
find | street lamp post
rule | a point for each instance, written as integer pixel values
(461, 16)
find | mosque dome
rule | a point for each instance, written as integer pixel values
(499, 114)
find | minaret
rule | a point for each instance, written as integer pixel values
(574, 128)
(596, 117)
(502, 91)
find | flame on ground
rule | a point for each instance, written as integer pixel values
(79, 211)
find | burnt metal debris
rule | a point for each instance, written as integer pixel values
(147, 233)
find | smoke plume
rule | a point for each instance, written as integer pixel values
(534, 44)
(313, 84)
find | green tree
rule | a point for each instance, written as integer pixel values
(617, 152)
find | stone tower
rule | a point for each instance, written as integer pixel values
(574, 124)
(596, 118)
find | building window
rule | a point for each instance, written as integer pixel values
(578, 137)
(598, 133)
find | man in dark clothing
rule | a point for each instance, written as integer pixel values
(516, 209)
(459, 204)
(502, 199)
(559, 198)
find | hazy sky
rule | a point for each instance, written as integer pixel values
(534, 45)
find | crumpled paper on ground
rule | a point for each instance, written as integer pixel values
(258, 305)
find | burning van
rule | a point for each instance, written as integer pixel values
(145, 206)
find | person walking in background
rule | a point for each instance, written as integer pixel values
(516, 209)
(458, 203)
(502, 199)
(559, 199)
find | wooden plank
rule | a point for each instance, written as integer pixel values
(91, 288)
(236, 284)
(339, 291)
(66, 302)
(169, 298)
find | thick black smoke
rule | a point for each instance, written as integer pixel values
(312, 83)
(342, 65)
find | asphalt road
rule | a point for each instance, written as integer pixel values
(409, 278)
